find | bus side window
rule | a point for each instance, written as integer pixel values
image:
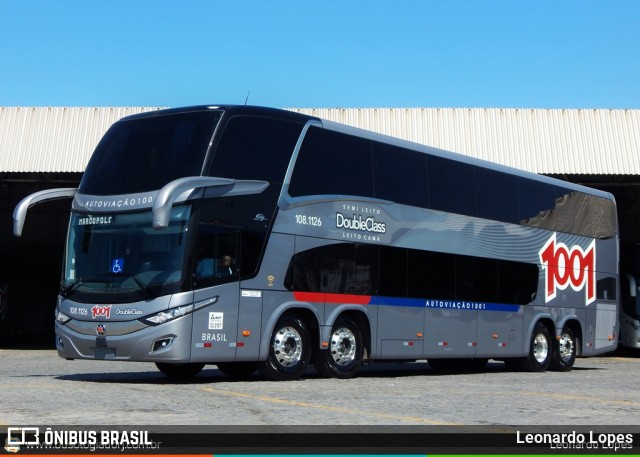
(431, 274)
(342, 268)
(400, 175)
(517, 282)
(452, 186)
(497, 196)
(393, 271)
(216, 249)
(205, 267)
(255, 148)
(332, 163)
(476, 279)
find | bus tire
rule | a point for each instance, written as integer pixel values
(540, 350)
(289, 350)
(237, 369)
(180, 370)
(564, 351)
(344, 357)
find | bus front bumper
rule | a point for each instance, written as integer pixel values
(168, 342)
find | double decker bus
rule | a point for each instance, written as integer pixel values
(261, 239)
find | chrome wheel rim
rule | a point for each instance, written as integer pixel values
(343, 346)
(566, 348)
(287, 347)
(540, 348)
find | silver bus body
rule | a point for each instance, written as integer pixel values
(630, 312)
(443, 268)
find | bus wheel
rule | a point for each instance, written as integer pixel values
(540, 350)
(237, 369)
(180, 370)
(564, 351)
(344, 357)
(289, 350)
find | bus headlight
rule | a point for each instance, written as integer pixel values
(61, 317)
(166, 316)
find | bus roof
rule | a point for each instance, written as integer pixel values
(229, 109)
(284, 114)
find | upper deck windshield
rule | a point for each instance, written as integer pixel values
(122, 256)
(144, 154)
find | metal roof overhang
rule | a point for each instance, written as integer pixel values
(554, 142)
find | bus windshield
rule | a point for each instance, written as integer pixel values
(144, 154)
(122, 256)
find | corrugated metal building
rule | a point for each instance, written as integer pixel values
(575, 142)
(47, 147)
(53, 140)
(555, 142)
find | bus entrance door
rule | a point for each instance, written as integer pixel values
(215, 325)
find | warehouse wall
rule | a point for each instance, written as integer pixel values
(47, 147)
(30, 265)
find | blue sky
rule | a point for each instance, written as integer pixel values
(331, 53)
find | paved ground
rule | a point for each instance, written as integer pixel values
(36, 386)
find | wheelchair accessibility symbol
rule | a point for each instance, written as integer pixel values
(117, 265)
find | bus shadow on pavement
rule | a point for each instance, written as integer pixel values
(213, 375)
(207, 376)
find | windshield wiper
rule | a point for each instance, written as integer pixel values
(66, 289)
(144, 289)
(142, 286)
